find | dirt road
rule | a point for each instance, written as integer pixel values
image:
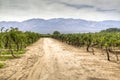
(49, 59)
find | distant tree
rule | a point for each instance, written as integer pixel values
(2, 29)
(111, 30)
(56, 32)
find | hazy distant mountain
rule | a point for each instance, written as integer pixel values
(60, 24)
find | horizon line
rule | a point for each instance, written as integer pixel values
(55, 18)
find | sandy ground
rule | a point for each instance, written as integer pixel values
(49, 59)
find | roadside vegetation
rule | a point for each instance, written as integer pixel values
(13, 43)
(2, 65)
(104, 40)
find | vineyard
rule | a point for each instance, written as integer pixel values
(105, 41)
(92, 56)
(13, 42)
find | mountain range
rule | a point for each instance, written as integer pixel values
(60, 24)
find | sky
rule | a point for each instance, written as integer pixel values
(96, 10)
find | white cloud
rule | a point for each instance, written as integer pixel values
(87, 9)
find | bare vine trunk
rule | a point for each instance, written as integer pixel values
(107, 51)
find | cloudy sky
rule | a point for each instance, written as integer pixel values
(97, 10)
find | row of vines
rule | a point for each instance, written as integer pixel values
(108, 42)
(12, 40)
